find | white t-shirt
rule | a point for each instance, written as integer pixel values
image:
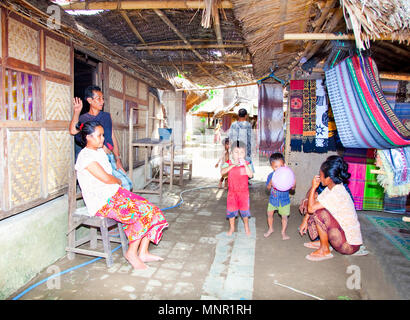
(339, 203)
(95, 192)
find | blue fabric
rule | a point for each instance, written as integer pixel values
(277, 198)
(126, 183)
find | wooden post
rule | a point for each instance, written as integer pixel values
(130, 146)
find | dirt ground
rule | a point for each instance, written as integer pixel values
(201, 262)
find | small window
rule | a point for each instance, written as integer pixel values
(21, 99)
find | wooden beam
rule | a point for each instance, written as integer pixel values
(189, 62)
(325, 36)
(133, 28)
(217, 29)
(394, 76)
(210, 74)
(186, 46)
(143, 5)
(220, 87)
(179, 34)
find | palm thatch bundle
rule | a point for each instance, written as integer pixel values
(373, 19)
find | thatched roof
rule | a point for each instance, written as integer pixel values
(224, 42)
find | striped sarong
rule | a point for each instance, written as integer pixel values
(373, 193)
(357, 183)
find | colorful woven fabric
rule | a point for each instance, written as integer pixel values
(309, 116)
(322, 118)
(389, 88)
(357, 182)
(270, 118)
(395, 204)
(139, 217)
(373, 193)
(296, 114)
(402, 103)
(363, 117)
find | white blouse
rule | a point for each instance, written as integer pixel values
(95, 192)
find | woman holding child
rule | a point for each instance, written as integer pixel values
(331, 215)
(103, 195)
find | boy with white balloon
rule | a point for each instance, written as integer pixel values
(279, 182)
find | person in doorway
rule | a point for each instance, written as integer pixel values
(241, 130)
(278, 200)
(331, 215)
(223, 159)
(95, 98)
(217, 133)
(104, 197)
(238, 171)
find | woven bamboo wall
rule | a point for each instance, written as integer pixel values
(24, 166)
(115, 79)
(58, 101)
(142, 91)
(58, 56)
(117, 110)
(131, 87)
(23, 42)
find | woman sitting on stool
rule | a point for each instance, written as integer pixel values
(332, 215)
(103, 195)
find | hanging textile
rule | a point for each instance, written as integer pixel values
(395, 204)
(226, 122)
(270, 118)
(309, 116)
(357, 183)
(363, 117)
(296, 114)
(402, 102)
(332, 141)
(395, 179)
(322, 118)
(373, 193)
(389, 88)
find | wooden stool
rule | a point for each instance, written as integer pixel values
(80, 216)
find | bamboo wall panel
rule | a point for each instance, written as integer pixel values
(142, 91)
(24, 165)
(115, 79)
(23, 42)
(117, 110)
(58, 101)
(59, 152)
(131, 87)
(58, 56)
(119, 135)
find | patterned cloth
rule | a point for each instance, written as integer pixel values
(309, 116)
(399, 161)
(125, 181)
(270, 118)
(322, 118)
(373, 193)
(364, 118)
(296, 114)
(139, 217)
(357, 182)
(395, 204)
(324, 220)
(389, 88)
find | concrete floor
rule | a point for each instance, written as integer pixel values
(201, 262)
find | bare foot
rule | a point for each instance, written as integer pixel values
(285, 237)
(148, 257)
(320, 252)
(248, 232)
(268, 233)
(135, 261)
(229, 233)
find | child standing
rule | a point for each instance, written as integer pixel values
(278, 200)
(238, 171)
(224, 158)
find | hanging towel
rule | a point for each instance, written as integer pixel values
(322, 118)
(296, 114)
(270, 118)
(309, 116)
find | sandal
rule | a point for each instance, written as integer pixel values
(312, 246)
(317, 258)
